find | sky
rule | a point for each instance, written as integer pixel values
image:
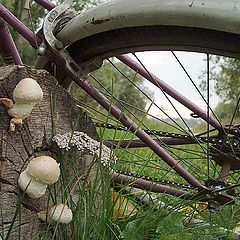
(166, 67)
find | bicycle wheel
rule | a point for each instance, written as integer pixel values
(209, 153)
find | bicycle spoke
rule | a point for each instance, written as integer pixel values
(204, 153)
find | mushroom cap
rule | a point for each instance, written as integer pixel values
(44, 168)
(32, 187)
(61, 213)
(27, 91)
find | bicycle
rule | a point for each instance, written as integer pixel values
(79, 44)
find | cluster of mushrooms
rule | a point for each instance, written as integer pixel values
(40, 172)
(43, 170)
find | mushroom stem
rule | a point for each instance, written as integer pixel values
(21, 110)
(14, 122)
(32, 187)
(43, 215)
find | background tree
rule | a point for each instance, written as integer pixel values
(225, 76)
(122, 90)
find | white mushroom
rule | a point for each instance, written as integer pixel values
(40, 172)
(44, 168)
(59, 213)
(26, 95)
(32, 187)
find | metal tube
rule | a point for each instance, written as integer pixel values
(153, 187)
(9, 49)
(46, 4)
(137, 143)
(20, 27)
(170, 91)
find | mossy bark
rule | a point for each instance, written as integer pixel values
(56, 114)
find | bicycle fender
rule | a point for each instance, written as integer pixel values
(218, 15)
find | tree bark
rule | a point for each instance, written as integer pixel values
(57, 113)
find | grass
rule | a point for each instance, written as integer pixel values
(101, 214)
(156, 221)
(144, 161)
(145, 227)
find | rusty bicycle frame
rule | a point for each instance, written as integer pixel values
(9, 51)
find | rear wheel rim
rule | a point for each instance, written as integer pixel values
(200, 40)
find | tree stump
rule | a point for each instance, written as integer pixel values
(57, 113)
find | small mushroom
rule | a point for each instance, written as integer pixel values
(59, 213)
(26, 95)
(40, 172)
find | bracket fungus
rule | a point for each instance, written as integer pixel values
(26, 95)
(59, 213)
(40, 172)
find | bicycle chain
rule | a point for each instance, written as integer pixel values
(155, 180)
(211, 140)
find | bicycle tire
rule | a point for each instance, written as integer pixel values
(119, 41)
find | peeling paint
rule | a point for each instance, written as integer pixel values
(99, 21)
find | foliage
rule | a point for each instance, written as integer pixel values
(227, 80)
(166, 218)
(225, 76)
(111, 81)
(225, 110)
(32, 20)
(81, 5)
